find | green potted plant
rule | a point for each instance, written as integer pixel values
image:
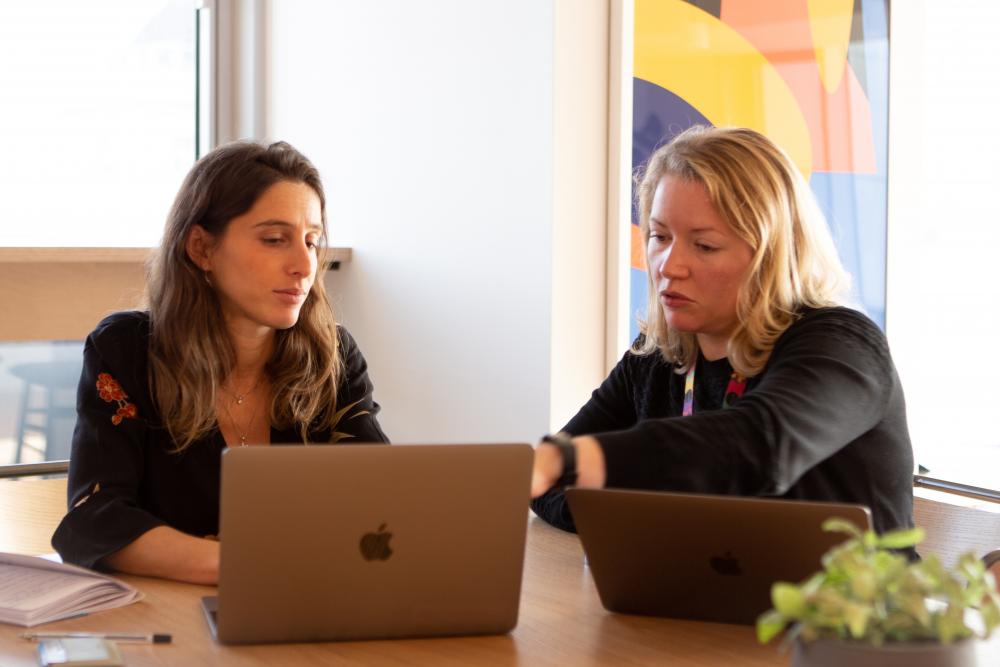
(870, 605)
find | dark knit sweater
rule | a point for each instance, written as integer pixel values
(824, 420)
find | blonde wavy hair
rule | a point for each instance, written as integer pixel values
(754, 187)
(190, 351)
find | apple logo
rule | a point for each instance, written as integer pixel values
(726, 564)
(375, 546)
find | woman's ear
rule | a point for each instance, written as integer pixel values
(199, 247)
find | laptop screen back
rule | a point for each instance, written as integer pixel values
(700, 557)
(370, 541)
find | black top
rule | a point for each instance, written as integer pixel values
(824, 420)
(123, 478)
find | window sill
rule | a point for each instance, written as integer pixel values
(975, 494)
(36, 255)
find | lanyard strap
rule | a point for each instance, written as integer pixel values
(737, 385)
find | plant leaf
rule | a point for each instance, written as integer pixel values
(901, 539)
(971, 566)
(813, 583)
(900, 626)
(914, 605)
(870, 540)
(856, 616)
(838, 525)
(951, 625)
(869, 592)
(769, 625)
(864, 584)
(788, 600)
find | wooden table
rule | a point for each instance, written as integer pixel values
(30, 510)
(561, 622)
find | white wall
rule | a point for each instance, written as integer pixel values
(580, 204)
(431, 123)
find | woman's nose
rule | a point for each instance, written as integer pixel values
(672, 263)
(303, 260)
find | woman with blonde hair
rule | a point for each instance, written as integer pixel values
(750, 377)
(238, 348)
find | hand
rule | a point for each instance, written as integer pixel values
(549, 465)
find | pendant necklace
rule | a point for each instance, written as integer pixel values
(242, 397)
(241, 432)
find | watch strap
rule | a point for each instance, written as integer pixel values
(564, 443)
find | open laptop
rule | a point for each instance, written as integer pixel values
(322, 543)
(709, 558)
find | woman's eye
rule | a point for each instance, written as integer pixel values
(705, 248)
(272, 240)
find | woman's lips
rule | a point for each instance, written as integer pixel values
(290, 296)
(674, 299)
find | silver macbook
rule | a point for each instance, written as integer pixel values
(709, 558)
(323, 543)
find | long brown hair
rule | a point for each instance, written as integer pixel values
(190, 350)
(757, 189)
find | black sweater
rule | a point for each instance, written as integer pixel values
(824, 420)
(123, 478)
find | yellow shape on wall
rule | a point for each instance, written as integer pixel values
(830, 24)
(717, 71)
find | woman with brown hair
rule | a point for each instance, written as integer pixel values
(749, 377)
(238, 348)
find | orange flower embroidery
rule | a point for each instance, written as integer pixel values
(110, 390)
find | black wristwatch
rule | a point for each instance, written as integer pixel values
(564, 442)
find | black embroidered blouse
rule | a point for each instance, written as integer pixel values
(123, 478)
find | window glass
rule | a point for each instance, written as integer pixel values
(38, 384)
(97, 119)
(943, 296)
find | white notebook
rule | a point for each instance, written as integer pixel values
(34, 590)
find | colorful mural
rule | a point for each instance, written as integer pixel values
(812, 75)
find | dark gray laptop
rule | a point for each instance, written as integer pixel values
(323, 543)
(703, 557)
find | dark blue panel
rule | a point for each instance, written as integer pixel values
(658, 115)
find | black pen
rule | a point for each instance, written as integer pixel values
(113, 636)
